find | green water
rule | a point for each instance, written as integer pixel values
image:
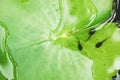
(50, 40)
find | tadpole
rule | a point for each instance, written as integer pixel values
(91, 32)
(99, 44)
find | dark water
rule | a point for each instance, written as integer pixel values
(117, 9)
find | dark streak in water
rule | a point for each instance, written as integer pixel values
(118, 24)
(116, 7)
(118, 72)
(117, 76)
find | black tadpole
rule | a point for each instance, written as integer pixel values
(114, 77)
(79, 46)
(99, 44)
(91, 32)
